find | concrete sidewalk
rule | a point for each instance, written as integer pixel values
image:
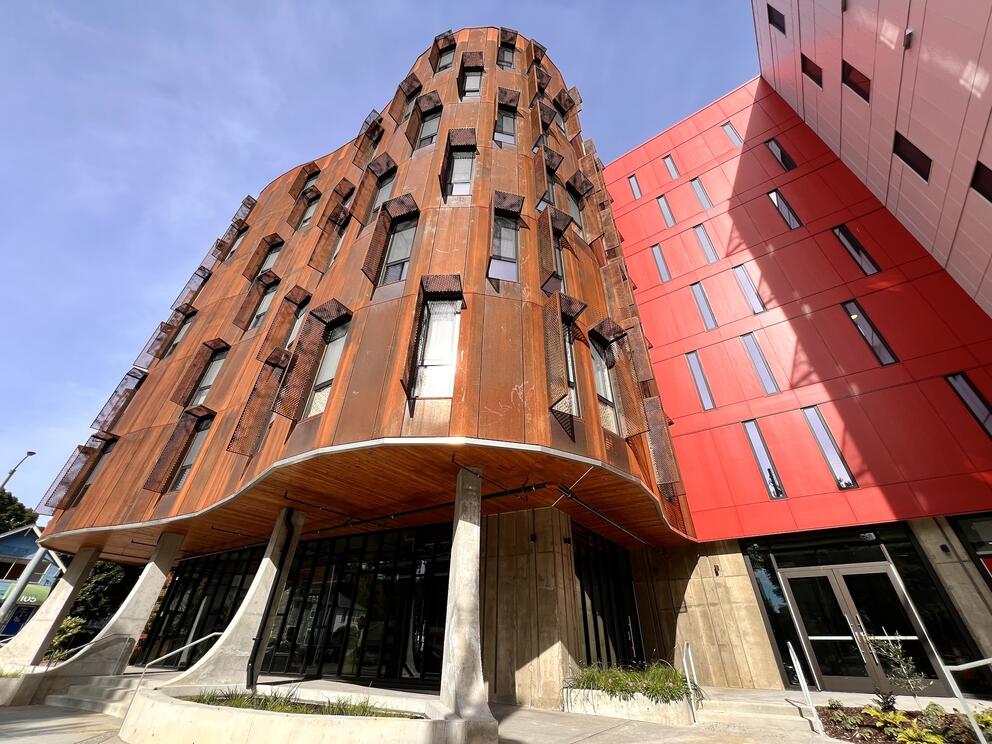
(43, 724)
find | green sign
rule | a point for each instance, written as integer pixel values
(32, 596)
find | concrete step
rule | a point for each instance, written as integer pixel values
(748, 707)
(107, 694)
(116, 709)
(792, 722)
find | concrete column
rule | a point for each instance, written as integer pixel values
(110, 650)
(32, 641)
(462, 687)
(244, 639)
(10, 601)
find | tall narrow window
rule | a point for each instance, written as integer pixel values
(659, 261)
(666, 211)
(604, 389)
(575, 209)
(699, 378)
(731, 132)
(383, 193)
(504, 58)
(301, 311)
(776, 18)
(471, 83)
(446, 59)
(705, 244)
(784, 209)
(549, 196)
(779, 153)
(398, 251)
(180, 335)
(560, 262)
(981, 180)
(270, 258)
(912, 156)
(438, 349)
(811, 70)
(635, 188)
(570, 404)
(337, 237)
(94, 472)
(973, 399)
(831, 452)
(761, 367)
(307, 215)
(673, 170)
(754, 300)
(428, 129)
(327, 370)
(208, 378)
(855, 80)
(506, 243)
(408, 107)
(506, 126)
(182, 473)
(311, 180)
(704, 198)
(857, 251)
(773, 484)
(703, 305)
(238, 240)
(559, 116)
(460, 172)
(263, 306)
(870, 334)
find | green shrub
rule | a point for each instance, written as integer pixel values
(834, 704)
(287, 702)
(916, 733)
(884, 701)
(659, 682)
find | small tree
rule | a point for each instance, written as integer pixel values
(899, 666)
(13, 513)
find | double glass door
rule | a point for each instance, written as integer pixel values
(846, 614)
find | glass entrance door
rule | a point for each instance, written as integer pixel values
(849, 616)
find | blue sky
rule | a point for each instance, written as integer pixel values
(129, 137)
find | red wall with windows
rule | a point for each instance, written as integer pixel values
(910, 442)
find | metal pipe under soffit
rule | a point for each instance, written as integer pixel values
(567, 493)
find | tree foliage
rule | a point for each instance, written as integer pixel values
(13, 513)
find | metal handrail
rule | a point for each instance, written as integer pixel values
(144, 668)
(948, 672)
(693, 683)
(71, 653)
(817, 724)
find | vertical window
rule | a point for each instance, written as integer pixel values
(760, 363)
(855, 80)
(703, 305)
(666, 211)
(673, 170)
(428, 129)
(202, 427)
(559, 116)
(327, 370)
(238, 240)
(699, 378)
(981, 180)
(460, 172)
(270, 258)
(408, 107)
(776, 18)
(773, 484)
(180, 335)
(209, 375)
(472, 83)
(337, 238)
(831, 453)
(575, 209)
(855, 250)
(703, 238)
(311, 180)
(973, 399)
(747, 288)
(308, 213)
(446, 59)
(301, 312)
(506, 243)
(811, 70)
(560, 262)
(504, 57)
(398, 251)
(870, 334)
(779, 153)
(438, 349)
(635, 188)
(542, 141)
(94, 471)
(735, 139)
(659, 261)
(263, 307)
(784, 209)
(704, 198)
(604, 389)
(383, 192)
(912, 156)
(549, 197)
(572, 401)
(506, 126)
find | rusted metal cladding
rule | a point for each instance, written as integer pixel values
(509, 376)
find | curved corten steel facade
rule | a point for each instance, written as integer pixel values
(378, 456)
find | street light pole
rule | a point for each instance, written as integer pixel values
(10, 601)
(13, 470)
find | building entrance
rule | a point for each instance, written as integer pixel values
(850, 617)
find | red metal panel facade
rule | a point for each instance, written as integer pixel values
(909, 441)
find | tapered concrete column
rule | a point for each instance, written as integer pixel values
(10, 601)
(244, 639)
(462, 687)
(110, 650)
(32, 641)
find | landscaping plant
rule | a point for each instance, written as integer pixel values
(657, 681)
